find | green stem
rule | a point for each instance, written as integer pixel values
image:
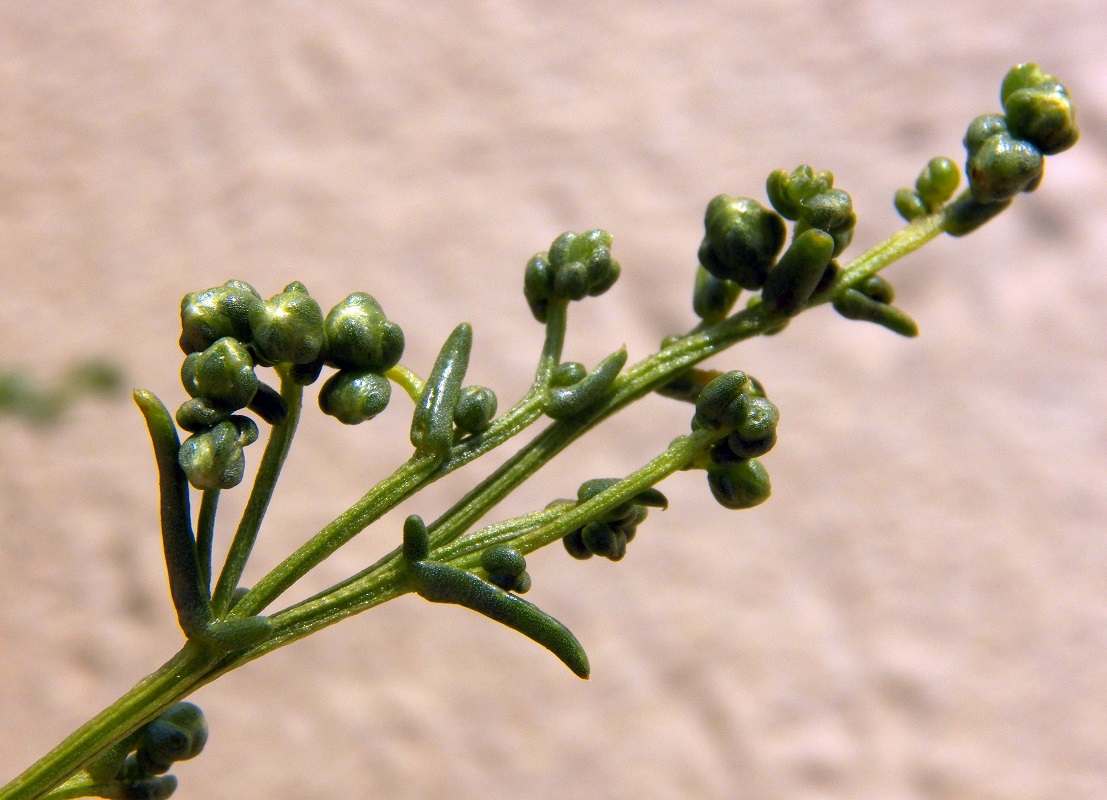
(269, 470)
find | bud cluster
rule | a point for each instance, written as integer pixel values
(607, 535)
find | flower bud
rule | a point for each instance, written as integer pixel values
(909, 205)
(741, 240)
(198, 414)
(937, 182)
(213, 459)
(360, 338)
(288, 328)
(742, 485)
(787, 190)
(722, 404)
(712, 298)
(506, 568)
(475, 409)
(1044, 116)
(223, 374)
(1001, 167)
(217, 312)
(354, 396)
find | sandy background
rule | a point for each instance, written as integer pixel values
(919, 612)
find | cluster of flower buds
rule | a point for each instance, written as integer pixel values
(576, 266)
(228, 331)
(506, 568)
(934, 186)
(607, 535)
(734, 404)
(1006, 152)
(742, 241)
(177, 734)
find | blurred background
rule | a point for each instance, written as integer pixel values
(920, 611)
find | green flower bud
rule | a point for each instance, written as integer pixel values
(177, 734)
(741, 240)
(198, 414)
(604, 541)
(982, 129)
(475, 409)
(214, 313)
(742, 485)
(154, 788)
(213, 459)
(576, 266)
(506, 568)
(354, 396)
(787, 191)
(723, 403)
(1001, 167)
(793, 280)
(1021, 76)
(567, 373)
(1044, 116)
(562, 402)
(575, 546)
(712, 298)
(909, 205)
(223, 374)
(760, 421)
(288, 328)
(359, 336)
(937, 182)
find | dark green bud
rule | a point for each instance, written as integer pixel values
(909, 205)
(210, 315)
(575, 546)
(306, 374)
(223, 374)
(793, 280)
(787, 191)
(177, 734)
(538, 282)
(982, 129)
(567, 373)
(1021, 76)
(712, 298)
(760, 421)
(154, 788)
(830, 211)
(576, 266)
(741, 240)
(723, 402)
(288, 328)
(354, 396)
(475, 409)
(198, 414)
(937, 182)
(853, 304)
(359, 337)
(213, 459)
(1044, 116)
(1001, 167)
(605, 541)
(506, 568)
(742, 485)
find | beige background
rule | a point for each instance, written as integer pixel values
(919, 612)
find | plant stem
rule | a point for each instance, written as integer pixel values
(276, 450)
